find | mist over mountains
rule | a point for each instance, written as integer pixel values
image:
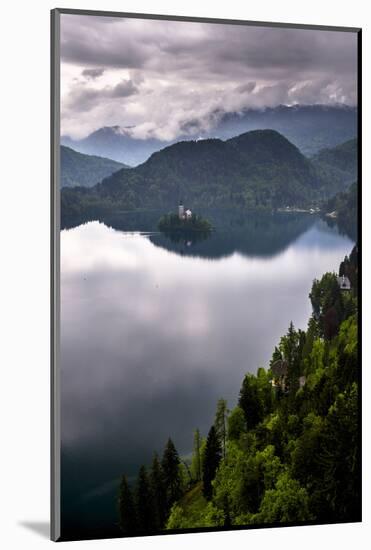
(309, 127)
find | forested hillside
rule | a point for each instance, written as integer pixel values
(287, 453)
(256, 170)
(85, 170)
(344, 206)
(338, 164)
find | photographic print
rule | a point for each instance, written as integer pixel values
(206, 185)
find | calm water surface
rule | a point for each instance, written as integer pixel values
(153, 332)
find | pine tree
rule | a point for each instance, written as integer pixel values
(196, 467)
(127, 515)
(170, 467)
(250, 401)
(227, 522)
(221, 423)
(277, 356)
(156, 482)
(213, 455)
(144, 503)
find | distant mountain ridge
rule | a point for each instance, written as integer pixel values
(82, 170)
(309, 127)
(115, 143)
(256, 170)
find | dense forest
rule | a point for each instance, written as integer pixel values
(344, 206)
(338, 164)
(258, 170)
(85, 170)
(287, 453)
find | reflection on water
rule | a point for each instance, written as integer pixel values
(154, 332)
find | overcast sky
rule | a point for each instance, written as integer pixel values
(159, 76)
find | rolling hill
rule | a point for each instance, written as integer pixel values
(256, 170)
(338, 164)
(82, 170)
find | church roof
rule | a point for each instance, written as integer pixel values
(279, 368)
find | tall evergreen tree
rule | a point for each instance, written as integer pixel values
(291, 346)
(276, 356)
(213, 455)
(157, 487)
(196, 467)
(221, 423)
(250, 401)
(127, 515)
(144, 503)
(170, 467)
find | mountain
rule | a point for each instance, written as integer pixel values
(116, 143)
(338, 163)
(309, 127)
(84, 170)
(256, 170)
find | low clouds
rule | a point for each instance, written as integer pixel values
(173, 78)
(125, 88)
(83, 98)
(92, 74)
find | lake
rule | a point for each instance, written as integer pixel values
(155, 330)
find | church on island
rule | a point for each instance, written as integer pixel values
(184, 214)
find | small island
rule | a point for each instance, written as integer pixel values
(184, 222)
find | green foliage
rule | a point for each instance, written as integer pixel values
(190, 512)
(176, 519)
(155, 493)
(158, 491)
(286, 503)
(196, 464)
(127, 513)
(255, 398)
(306, 451)
(236, 424)
(146, 520)
(171, 473)
(340, 457)
(242, 479)
(220, 423)
(185, 477)
(327, 304)
(213, 455)
(315, 363)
